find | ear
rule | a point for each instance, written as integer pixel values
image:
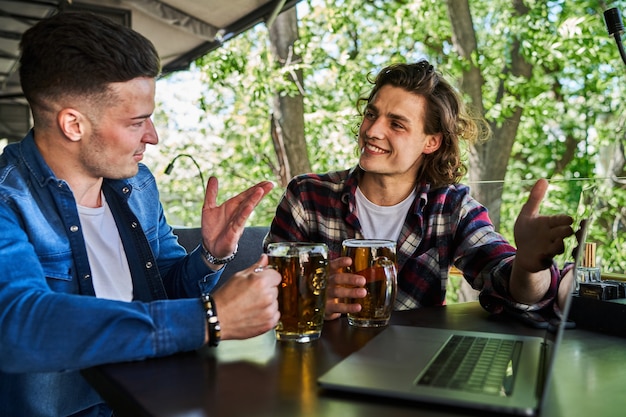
(432, 143)
(72, 123)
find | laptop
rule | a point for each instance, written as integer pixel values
(506, 374)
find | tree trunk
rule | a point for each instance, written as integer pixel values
(288, 109)
(489, 160)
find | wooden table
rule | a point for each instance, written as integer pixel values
(262, 377)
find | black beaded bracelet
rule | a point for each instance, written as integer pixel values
(211, 319)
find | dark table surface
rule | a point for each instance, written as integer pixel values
(262, 377)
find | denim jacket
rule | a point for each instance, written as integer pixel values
(51, 323)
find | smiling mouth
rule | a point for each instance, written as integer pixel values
(373, 149)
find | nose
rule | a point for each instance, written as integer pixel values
(373, 129)
(150, 135)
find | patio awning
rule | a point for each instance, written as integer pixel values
(181, 30)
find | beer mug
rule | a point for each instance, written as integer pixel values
(374, 259)
(302, 292)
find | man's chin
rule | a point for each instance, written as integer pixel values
(367, 166)
(123, 174)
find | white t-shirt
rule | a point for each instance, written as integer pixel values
(382, 222)
(107, 259)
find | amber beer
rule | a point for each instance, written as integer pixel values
(375, 259)
(302, 292)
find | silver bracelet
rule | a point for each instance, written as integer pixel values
(217, 261)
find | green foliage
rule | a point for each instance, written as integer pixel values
(572, 118)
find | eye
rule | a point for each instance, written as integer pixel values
(369, 115)
(396, 125)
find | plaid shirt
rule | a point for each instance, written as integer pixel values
(444, 227)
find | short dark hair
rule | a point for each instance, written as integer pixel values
(445, 114)
(80, 53)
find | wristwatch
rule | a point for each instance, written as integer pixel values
(217, 261)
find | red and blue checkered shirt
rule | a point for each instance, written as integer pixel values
(444, 227)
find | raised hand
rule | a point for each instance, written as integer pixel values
(539, 238)
(223, 225)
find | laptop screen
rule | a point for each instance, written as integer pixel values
(554, 331)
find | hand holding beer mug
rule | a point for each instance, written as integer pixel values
(302, 292)
(374, 259)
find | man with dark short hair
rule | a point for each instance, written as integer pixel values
(90, 271)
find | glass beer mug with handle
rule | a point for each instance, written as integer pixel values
(302, 292)
(374, 259)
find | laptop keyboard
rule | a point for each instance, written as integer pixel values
(475, 364)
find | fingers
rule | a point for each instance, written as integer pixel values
(336, 265)
(341, 281)
(341, 288)
(246, 202)
(222, 225)
(561, 220)
(255, 193)
(248, 302)
(263, 260)
(539, 238)
(580, 232)
(555, 248)
(331, 316)
(343, 292)
(562, 232)
(267, 186)
(555, 244)
(335, 308)
(262, 266)
(537, 193)
(245, 208)
(247, 199)
(581, 229)
(210, 197)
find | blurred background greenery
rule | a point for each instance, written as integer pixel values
(568, 108)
